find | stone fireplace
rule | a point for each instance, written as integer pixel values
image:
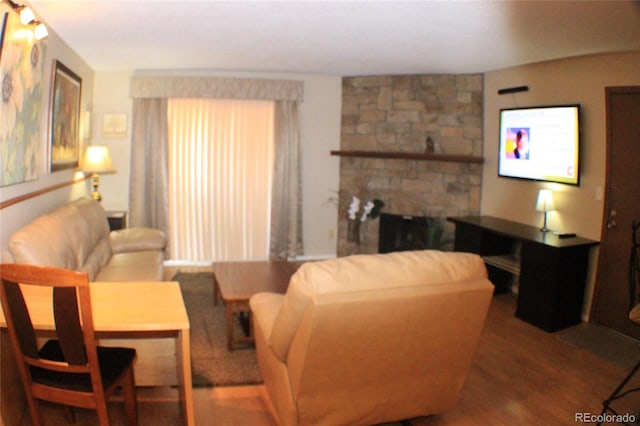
(396, 114)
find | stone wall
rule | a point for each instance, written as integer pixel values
(398, 113)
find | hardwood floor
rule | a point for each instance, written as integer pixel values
(521, 375)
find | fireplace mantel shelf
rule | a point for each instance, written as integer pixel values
(410, 156)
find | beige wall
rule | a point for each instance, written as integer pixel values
(14, 217)
(320, 133)
(578, 80)
(111, 95)
(17, 215)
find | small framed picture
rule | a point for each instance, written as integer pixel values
(114, 125)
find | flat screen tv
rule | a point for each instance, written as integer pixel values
(540, 143)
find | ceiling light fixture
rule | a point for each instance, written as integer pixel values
(27, 17)
(40, 31)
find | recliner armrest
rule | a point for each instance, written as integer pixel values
(137, 239)
(265, 308)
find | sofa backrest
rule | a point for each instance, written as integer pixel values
(73, 236)
(379, 331)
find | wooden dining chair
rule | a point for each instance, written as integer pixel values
(69, 369)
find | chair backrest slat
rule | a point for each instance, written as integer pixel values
(68, 326)
(19, 315)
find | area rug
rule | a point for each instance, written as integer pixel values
(606, 343)
(211, 363)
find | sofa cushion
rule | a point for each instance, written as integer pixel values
(91, 212)
(56, 239)
(137, 239)
(97, 259)
(135, 266)
(366, 272)
(66, 238)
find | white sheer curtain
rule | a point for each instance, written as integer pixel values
(221, 155)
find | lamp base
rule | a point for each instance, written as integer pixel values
(96, 182)
(544, 224)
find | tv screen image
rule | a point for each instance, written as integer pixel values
(540, 143)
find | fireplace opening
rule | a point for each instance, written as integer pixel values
(402, 233)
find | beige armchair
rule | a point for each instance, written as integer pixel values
(371, 338)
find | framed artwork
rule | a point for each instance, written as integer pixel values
(3, 23)
(114, 125)
(21, 60)
(65, 118)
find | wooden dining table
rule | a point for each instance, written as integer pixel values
(130, 310)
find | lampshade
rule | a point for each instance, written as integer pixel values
(545, 201)
(40, 31)
(97, 159)
(26, 15)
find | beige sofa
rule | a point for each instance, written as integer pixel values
(76, 236)
(372, 338)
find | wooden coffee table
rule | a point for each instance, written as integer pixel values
(236, 282)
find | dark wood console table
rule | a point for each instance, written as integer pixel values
(552, 270)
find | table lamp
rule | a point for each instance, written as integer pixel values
(545, 204)
(97, 161)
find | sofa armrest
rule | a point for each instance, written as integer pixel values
(137, 239)
(265, 308)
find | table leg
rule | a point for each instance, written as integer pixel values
(216, 291)
(229, 312)
(183, 353)
(241, 308)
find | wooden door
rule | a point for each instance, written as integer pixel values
(622, 206)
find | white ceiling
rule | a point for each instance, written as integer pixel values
(338, 37)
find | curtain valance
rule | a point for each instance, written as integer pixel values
(216, 87)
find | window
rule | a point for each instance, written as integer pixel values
(221, 155)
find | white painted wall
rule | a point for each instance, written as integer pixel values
(576, 80)
(320, 133)
(16, 216)
(111, 95)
